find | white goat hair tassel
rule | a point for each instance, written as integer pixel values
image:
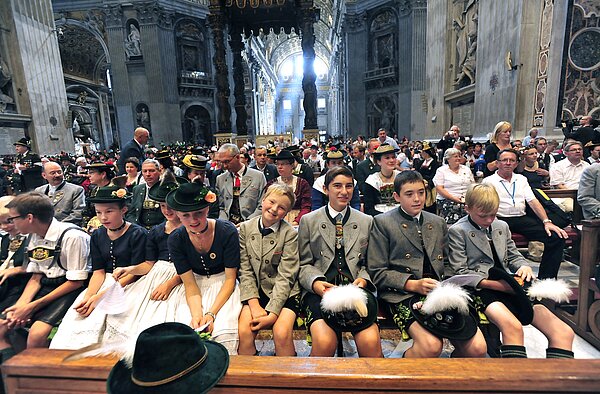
(343, 298)
(123, 350)
(445, 297)
(556, 290)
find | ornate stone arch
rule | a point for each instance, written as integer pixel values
(193, 50)
(197, 120)
(383, 39)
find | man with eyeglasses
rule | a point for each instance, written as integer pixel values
(565, 173)
(56, 256)
(515, 195)
(240, 188)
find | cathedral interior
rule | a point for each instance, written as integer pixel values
(89, 72)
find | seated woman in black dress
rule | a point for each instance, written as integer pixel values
(116, 244)
(530, 169)
(159, 297)
(206, 253)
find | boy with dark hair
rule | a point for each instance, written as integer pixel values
(332, 243)
(406, 258)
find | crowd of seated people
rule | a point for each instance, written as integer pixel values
(232, 240)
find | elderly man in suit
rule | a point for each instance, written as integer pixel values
(134, 148)
(68, 199)
(143, 210)
(406, 257)
(240, 188)
(332, 242)
(588, 195)
(269, 170)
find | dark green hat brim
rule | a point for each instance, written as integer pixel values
(180, 206)
(463, 328)
(201, 380)
(521, 306)
(350, 320)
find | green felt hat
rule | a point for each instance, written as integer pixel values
(350, 320)
(158, 192)
(110, 193)
(190, 197)
(170, 358)
(449, 324)
(520, 304)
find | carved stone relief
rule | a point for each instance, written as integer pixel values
(382, 37)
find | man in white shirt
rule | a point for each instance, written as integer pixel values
(384, 139)
(565, 173)
(515, 194)
(57, 260)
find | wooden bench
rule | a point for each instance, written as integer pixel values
(43, 371)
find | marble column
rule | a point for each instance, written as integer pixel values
(308, 80)
(216, 20)
(38, 74)
(160, 65)
(419, 64)
(352, 75)
(125, 125)
(241, 116)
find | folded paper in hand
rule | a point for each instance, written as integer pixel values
(463, 280)
(113, 300)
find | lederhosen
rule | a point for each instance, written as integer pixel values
(235, 214)
(400, 311)
(338, 274)
(53, 312)
(150, 214)
(484, 297)
(12, 250)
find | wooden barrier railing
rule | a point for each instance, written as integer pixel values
(585, 318)
(43, 371)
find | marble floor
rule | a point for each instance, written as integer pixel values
(393, 347)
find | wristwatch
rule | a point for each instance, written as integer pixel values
(546, 221)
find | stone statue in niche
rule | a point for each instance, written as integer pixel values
(5, 79)
(133, 47)
(386, 115)
(465, 27)
(143, 117)
(197, 127)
